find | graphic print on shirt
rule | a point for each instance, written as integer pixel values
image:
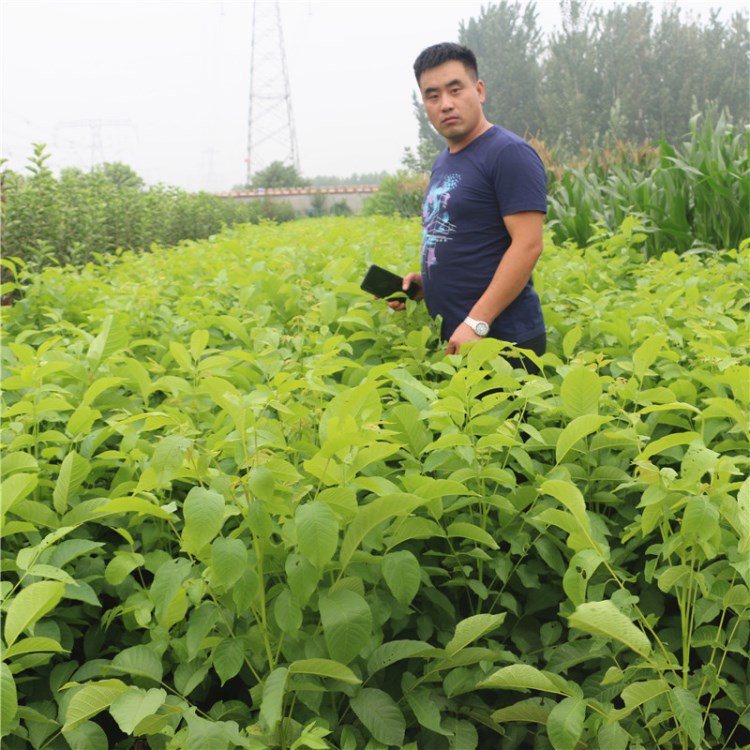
(436, 222)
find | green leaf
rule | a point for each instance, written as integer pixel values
(531, 710)
(698, 461)
(409, 428)
(474, 533)
(121, 566)
(90, 700)
(70, 549)
(272, 704)
(167, 593)
(8, 700)
(580, 392)
(303, 577)
(287, 611)
(581, 568)
(347, 624)
(426, 711)
(262, 483)
(133, 505)
(86, 736)
(471, 629)
(198, 342)
(689, 714)
(565, 723)
(392, 651)
(613, 736)
(202, 621)
(402, 574)
(189, 675)
(15, 488)
(134, 705)
(645, 355)
(570, 341)
(414, 390)
(30, 605)
(324, 668)
(380, 715)
(166, 462)
(98, 387)
(638, 693)
(578, 429)
(228, 658)
(463, 734)
(378, 511)
(139, 661)
(570, 496)
(181, 356)
(112, 337)
(700, 520)
(526, 677)
(604, 618)
(317, 532)
(73, 471)
(668, 441)
(228, 561)
(204, 516)
(32, 646)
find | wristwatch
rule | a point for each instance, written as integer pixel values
(478, 326)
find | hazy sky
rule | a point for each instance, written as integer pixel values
(164, 86)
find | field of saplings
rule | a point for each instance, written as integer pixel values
(246, 505)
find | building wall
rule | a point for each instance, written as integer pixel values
(301, 199)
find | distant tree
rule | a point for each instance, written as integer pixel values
(71, 173)
(605, 74)
(570, 95)
(508, 43)
(623, 62)
(119, 174)
(695, 67)
(278, 175)
(420, 160)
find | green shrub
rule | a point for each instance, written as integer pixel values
(399, 195)
(82, 215)
(245, 505)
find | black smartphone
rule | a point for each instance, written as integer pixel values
(383, 283)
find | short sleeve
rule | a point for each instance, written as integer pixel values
(520, 180)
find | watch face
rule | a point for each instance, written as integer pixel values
(481, 328)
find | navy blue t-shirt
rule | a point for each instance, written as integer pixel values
(463, 233)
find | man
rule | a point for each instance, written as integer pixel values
(483, 213)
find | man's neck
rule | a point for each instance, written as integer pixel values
(481, 129)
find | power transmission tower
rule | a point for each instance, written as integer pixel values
(95, 126)
(271, 134)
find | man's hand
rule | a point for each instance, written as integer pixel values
(398, 304)
(462, 335)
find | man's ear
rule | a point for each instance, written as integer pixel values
(480, 90)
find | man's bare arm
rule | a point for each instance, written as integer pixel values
(513, 272)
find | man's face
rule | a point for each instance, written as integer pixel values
(453, 101)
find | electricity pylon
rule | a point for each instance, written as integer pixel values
(271, 135)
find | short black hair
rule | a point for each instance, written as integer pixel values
(443, 53)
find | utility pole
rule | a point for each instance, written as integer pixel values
(271, 135)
